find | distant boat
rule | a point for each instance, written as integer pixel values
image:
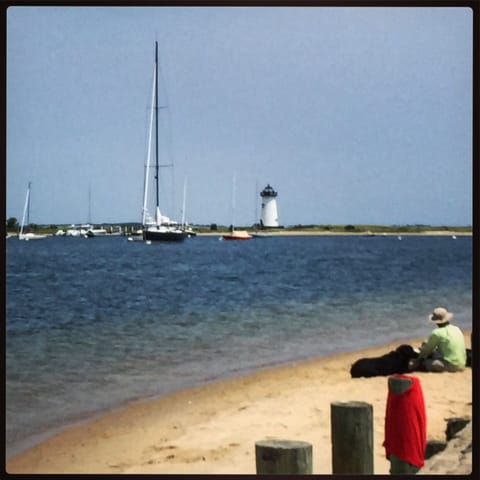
(95, 232)
(135, 235)
(161, 228)
(26, 215)
(236, 234)
(185, 227)
(102, 232)
(261, 235)
(78, 231)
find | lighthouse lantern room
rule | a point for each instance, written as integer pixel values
(269, 213)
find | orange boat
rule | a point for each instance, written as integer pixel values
(237, 235)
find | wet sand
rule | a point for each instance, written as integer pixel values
(213, 428)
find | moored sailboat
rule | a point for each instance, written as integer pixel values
(161, 228)
(26, 217)
(235, 234)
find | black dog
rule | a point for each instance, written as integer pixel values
(395, 361)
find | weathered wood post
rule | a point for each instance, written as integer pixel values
(352, 437)
(283, 457)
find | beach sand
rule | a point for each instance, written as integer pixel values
(212, 429)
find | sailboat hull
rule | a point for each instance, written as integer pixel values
(164, 236)
(237, 235)
(233, 237)
(31, 236)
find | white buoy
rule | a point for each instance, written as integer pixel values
(269, 213)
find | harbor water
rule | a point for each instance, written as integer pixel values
(92, 324)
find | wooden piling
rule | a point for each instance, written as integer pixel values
(283, 457)
(352, 437)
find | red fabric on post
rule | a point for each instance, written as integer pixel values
(405, 423)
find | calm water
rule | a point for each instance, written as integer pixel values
(94, 323)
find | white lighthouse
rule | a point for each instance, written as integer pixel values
(269, 213)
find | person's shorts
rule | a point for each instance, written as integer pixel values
(440, 365)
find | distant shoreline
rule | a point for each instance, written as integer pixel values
(291, 233)
(326, 233)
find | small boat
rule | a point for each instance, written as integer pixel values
(135, 235)
(78, 231)
(237, 235)
(185, 226)
(95, 232)
(26, 215)
(189, 231)
(161, 228)
(31, 236)
(261, 235)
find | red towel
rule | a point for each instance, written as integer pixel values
(405, 423)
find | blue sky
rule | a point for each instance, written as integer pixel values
(354, 115)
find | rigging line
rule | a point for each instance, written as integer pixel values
(147, 165)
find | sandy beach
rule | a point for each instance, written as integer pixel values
(212, 429)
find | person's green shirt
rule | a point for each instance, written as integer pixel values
(448, 340)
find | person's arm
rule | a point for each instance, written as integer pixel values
(428, 347)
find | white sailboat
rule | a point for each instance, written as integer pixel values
(185, 226)
(26, 217)
(96, 232)
(235, 234)
(161, 228)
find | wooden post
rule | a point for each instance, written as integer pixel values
(283, 457)
(352, 437)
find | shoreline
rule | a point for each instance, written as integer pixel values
(285, 233)
(301, 233)
(212, 428)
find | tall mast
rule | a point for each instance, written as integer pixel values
(25, 209)
(156, 122)
(149, 149)
(28, 203)
(89, 218)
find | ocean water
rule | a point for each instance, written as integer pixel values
(94, 323)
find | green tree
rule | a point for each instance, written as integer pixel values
(12, 223)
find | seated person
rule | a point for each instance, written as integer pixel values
(444, 351)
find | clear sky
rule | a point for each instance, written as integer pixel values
(354, 115)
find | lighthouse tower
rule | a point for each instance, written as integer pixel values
(269, 214)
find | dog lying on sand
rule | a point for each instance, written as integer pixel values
(395, 361)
